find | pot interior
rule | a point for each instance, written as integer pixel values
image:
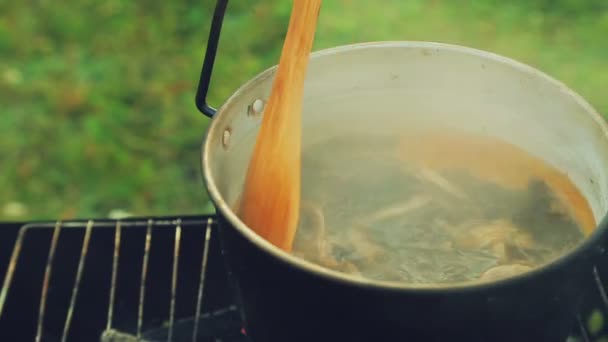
(441, 105)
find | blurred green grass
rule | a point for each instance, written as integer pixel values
(96, 98)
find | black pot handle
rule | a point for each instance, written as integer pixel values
(214, 37)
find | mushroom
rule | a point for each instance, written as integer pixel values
(504, 271)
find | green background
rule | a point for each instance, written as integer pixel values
(96, 97)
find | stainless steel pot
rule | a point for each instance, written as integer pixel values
(381, 88)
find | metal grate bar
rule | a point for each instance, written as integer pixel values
(178, 235)
(81, 263)
(10, 273)
(114, 275)
(47, 278)
(144, 274)
(201, 284)
(583, 330)
(600, 285)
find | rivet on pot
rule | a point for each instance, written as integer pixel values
(256, 108)
(226, 137)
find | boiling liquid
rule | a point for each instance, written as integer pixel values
(434, 208)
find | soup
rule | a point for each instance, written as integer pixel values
(434, 208)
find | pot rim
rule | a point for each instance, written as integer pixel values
(214, 131)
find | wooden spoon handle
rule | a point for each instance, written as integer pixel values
(270, 202)
(293, 63)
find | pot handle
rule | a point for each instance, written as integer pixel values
(205, 79)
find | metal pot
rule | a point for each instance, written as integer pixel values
(381, 87)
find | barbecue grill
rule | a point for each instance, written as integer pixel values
(156, 279)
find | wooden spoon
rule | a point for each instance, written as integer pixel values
(270, 201)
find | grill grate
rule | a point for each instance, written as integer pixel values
(146, 280)
(104, 249)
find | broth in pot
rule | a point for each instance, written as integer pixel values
(434, 208)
